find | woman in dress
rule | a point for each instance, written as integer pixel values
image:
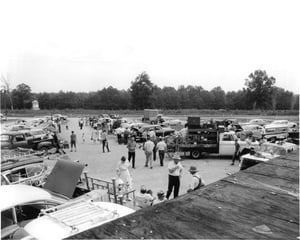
(124, 173)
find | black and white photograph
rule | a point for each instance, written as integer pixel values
(135, 119)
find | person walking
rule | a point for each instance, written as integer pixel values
(104, 141)
(148, 149)
(162, 149)
(236, 151)
(175, 170)
(197, 181)
(131, 151)
(73, 141)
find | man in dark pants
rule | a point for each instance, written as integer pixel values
(131, 151)
(57, 145)
(162, 149)
(175, 169)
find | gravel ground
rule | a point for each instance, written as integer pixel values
(103, 165)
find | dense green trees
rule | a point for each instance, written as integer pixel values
(260, 89)
(259, 93)
(141, 92)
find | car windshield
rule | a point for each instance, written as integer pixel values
(272, 149)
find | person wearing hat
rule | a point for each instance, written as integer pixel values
(197, 181)
(175, 169)
(162, 149)
(160, 197)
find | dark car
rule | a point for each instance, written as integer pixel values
(139, 133)
(12, 140)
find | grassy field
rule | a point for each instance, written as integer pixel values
(201, 112)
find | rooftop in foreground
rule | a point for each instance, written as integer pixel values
(261, 202)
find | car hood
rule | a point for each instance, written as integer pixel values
(64, 177)
(259, 156)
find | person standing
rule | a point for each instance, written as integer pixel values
(59, 126)
(104, 141)
(197, 181)
(56, 143)
(148, 148)
(73, 141)
(124, 173)
(162, 149)
(236, 151)
(131, 151)
(126, 135)
(175, 170)
(153, 138)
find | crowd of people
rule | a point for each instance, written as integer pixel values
(152, 147)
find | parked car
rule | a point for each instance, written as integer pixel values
(256, 130)
(159, 131)
(24, 170)
(16, 127)
(283, 123)
(265, 152)
(21, 203)
(260, 122)
(57, 116)
(3, 117)
(12, 140)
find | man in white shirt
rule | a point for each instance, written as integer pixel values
(148, 148)
(144, 199)
(162, 148)
(175, 169)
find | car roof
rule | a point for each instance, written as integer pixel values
(12, 133)
(64, 222)
(13, 195)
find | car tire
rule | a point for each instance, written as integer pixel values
(43, 148)
(195, 154)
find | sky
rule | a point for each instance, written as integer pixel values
(84, 46)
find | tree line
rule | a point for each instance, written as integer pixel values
(259, 92)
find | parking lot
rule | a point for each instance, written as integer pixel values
(103, 165)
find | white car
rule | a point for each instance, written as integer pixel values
(283, 123)
(22, 203)
(260, 122)
(73, 217)
(265, 152)
(254, 128)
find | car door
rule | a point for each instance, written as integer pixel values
(226, 144)
(19, 140)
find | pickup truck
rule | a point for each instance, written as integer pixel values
(12, 140)
(213, 141)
